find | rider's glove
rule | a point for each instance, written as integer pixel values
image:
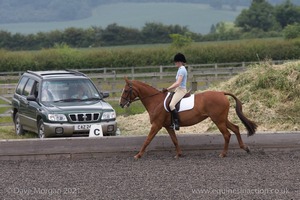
(164, 90)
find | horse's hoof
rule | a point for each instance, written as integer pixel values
(178, 156)
(135, 158)
(247, 149)
(222, 155)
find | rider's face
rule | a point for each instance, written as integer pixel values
(178, 64)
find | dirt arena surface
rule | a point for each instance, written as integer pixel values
(198, 175)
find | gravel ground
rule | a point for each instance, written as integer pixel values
(197, 175)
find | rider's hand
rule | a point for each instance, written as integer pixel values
(164, 90)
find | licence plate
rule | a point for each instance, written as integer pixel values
(82, 127)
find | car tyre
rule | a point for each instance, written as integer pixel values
(18, 127)
(41, 129)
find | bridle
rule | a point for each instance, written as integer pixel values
(128, 100)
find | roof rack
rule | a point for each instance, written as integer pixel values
(34, 73)
(75, 72)
(68, 71)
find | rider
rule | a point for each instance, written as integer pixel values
(179, 87)
(80, 93)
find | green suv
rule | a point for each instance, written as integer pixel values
(60, 103)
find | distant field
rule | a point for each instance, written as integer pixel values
(197, 17)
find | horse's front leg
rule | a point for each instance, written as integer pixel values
(175, 142)
(151, 135)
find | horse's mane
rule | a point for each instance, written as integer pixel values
(145, 84)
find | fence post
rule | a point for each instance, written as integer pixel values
(132, 72)
(113, 88)
(191, 77)
(190, 72)
(154, 82)
(216, 69)
(104, 72)
(194, 86)
(206, 83)
(161, 71)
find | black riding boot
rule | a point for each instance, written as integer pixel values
(175, 119)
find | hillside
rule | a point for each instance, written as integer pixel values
(270, 97)
(20, 11)
(27, 17)
(193, 15)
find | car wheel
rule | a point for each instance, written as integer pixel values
(18, 127)
(41, 129)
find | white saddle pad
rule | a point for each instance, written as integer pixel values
(185, 103)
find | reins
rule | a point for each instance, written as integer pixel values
(137, 99)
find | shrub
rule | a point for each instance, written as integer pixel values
(63, 57)
(291, 31)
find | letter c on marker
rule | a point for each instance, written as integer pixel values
(96, 132)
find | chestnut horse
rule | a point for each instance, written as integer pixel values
(211, 104)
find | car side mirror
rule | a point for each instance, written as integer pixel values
(105, 94)
(31, 98)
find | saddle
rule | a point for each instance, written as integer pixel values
(186, 103)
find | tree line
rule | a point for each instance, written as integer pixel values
(94, 36)
(261, 19)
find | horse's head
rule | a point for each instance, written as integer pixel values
(129, 94)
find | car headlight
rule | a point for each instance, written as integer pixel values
(57, 117)
(108, 115)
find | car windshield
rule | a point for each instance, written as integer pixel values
(69, 90)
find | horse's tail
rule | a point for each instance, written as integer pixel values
(250, 125)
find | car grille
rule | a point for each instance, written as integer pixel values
(84, 117)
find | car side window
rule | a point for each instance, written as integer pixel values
(29, 87)
(21, 85)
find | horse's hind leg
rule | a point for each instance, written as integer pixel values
(226, 134)
(175, 142)
(236, 130)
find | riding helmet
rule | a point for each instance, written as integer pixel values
(179, 57)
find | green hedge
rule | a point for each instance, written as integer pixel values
(63, 57)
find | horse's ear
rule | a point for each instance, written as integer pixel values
(126, 79)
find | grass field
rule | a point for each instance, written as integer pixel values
(8, 132)
(197, 17)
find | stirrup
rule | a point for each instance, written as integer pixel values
(174, 127)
